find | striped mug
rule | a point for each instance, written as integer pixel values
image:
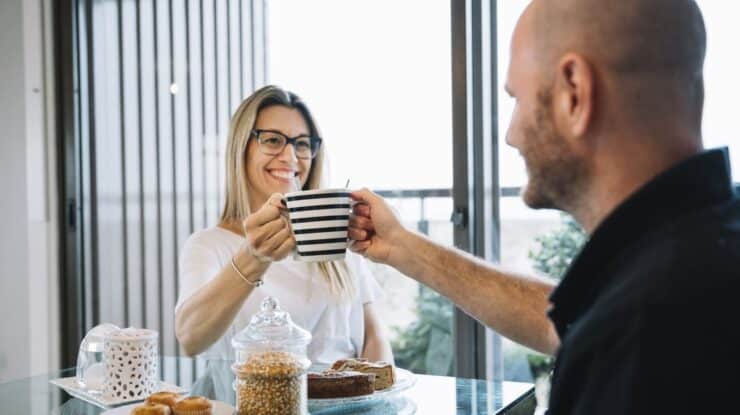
(319, 219)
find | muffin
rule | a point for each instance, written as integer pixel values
(151, 409)
(193, 405)
(164, 398)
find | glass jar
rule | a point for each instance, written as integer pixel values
(271, 364)
(90, 366)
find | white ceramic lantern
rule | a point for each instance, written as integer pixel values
(131, 364)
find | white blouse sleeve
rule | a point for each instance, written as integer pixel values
(198, 264)
(368, 289)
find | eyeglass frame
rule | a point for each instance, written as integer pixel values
(289, 140)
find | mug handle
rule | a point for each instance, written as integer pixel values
(352, 204)
(284, 213)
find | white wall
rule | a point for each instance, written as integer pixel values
(29, 342)
(14, 318)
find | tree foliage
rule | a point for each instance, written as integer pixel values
(424, 346)
(552, 255)
(554, 251)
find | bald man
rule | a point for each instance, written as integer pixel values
(609, 98)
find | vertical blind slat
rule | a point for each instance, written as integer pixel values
(132, 201)
(92, 166)
(216, 112)
(79, 171)
(142, 202)
(124, 198)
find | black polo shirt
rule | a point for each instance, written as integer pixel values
(649, 312)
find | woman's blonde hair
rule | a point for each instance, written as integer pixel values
(236, 206)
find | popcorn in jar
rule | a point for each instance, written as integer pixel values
(271, 364)
(271, 383)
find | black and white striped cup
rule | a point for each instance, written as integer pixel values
(319, 220)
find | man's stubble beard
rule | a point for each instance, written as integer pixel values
(557, 177)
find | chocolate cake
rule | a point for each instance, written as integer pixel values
(385, 376)
(333, 384)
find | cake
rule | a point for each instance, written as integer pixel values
(164, 398)
(385, 376)
(333, 384)
(193, 405)
(151, 409)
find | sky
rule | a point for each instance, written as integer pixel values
(377, 76)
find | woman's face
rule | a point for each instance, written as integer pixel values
(268, 174)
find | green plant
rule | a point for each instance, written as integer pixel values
(552, 255)
(555, 250)
(425, 346)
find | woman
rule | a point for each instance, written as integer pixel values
(273, 148)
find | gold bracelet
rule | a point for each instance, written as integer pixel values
(254, 283)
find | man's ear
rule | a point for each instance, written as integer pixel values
(573, 95)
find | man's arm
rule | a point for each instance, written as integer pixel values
(514, 305)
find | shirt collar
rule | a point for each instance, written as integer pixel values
(700, 181)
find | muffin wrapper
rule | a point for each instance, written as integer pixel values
(195, 412)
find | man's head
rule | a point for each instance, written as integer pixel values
(595, 79)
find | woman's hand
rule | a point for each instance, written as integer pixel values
(268, 233)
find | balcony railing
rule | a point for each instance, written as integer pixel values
(423, 194)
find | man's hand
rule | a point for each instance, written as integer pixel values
(268, 233)
(375, 229)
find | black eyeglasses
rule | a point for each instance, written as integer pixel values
(273, 142)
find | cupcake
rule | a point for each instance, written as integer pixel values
(164, 398)
(151, 409)
(193, 405)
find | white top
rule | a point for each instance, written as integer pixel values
(337, 326)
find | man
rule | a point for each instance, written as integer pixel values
(609, 98)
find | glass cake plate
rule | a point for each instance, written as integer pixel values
(387, 397)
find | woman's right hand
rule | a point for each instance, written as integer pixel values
(268, 233)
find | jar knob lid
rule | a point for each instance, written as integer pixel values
(269, 304)
(271, 327)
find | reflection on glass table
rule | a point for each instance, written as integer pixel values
(430, 395)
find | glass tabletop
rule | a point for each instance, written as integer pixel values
(429, 396)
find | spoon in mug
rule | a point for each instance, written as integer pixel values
(297, 183)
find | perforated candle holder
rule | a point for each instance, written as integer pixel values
(131, 363)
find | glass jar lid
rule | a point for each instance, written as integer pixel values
(93, 341)
(271, 328)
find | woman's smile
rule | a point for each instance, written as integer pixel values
(283, 175)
